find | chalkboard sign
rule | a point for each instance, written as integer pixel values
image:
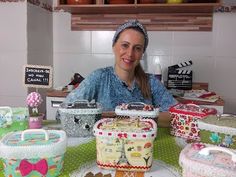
(38, 76)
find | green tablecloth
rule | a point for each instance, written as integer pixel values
(165, 149)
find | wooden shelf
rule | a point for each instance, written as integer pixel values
(139, 8)
(156, 16)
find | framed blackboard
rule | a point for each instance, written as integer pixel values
(37, 76)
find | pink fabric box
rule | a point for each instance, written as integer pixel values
(184, 119)
(204, 160)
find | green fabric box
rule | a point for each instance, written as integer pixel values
(13, 119)
(219, 130)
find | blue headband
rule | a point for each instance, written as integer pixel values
(131, 24)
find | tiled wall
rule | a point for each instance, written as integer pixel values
(25, 38)
(213, 53)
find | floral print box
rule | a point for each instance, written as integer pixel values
(204, 160)
(137, 109)
(125, 144)
(219, 130)
(33, 152)
(184, 120)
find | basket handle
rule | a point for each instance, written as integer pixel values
(206, 151)
(34, 130)
(220, 116)
(10, 113)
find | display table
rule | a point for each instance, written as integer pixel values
(81, 154)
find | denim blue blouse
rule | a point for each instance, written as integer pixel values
(105, 87)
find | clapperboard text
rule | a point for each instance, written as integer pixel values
(179, 78)
(37, 76)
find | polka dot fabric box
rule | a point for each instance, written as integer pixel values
(219, 130)
(125, 144)
(137, 109)
(78, 119)
(184, 120)
(33, 153)
(204, 160)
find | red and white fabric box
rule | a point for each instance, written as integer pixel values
(33, 153)
(205, 160)
(184, 119)
(137, 109)
(125, 144)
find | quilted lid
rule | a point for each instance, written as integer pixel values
(137, 109)
(33, 143)
(225, 123)
(208, 160)
(126, 128)
(81, 107)
(193, 110)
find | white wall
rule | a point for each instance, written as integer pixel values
(13, 52)
(213, 53)
(25, 38)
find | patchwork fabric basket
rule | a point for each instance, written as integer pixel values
(204, 160)
(13, 119)
(125, 144)
(219, 130)
(78, 119)
(137, 109)
(184, 120)
(33, 152)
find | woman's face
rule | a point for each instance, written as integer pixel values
(128, 49)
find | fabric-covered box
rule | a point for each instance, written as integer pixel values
(137, 109)
(204, 160)
(33, 152)
(184, 120)
(13, 119)
(125, 144)
(78, 119)
(219, 130)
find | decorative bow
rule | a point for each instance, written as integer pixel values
(27, 167)
(198, 146)
(122, 135)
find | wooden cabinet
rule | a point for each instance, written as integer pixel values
(155, 16)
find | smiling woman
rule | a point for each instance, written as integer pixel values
(125, 82)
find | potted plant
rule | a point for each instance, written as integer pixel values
(33, 100)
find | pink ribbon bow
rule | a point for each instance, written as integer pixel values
(198, 146)
(122, 135)
(27, 167)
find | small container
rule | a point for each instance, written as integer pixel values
(137, 109)
(36, 121)
(120, 1)
(125, 144)
(202, 160)
(76, 2)
(184, 120)
(219, 130)
(33, 152)
(78, 119)
(13, 119)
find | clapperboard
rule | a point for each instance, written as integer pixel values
(179, 78)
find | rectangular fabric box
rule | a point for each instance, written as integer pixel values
(78, 119)
(33, 152)
(125, 144)
(184, 120)
(204, 160)
(13, 119)
(219, 130)
(136, 109)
